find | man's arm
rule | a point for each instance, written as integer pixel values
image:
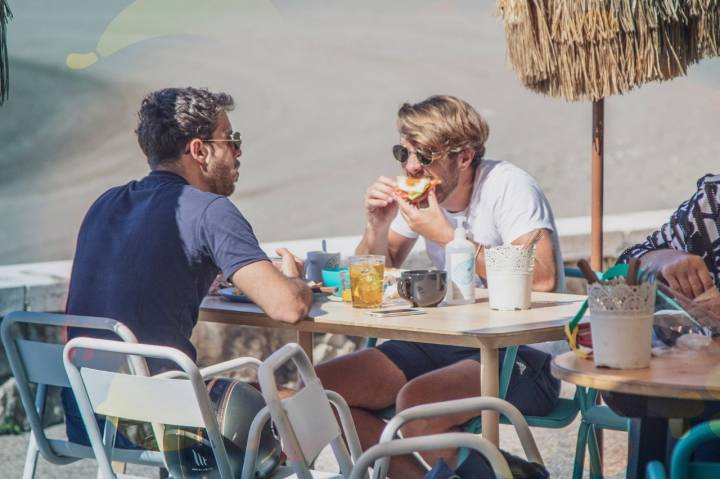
(684, 272)
(381, 208)
(395, 247)
(681, 250)
(545, 270)
(283, 298)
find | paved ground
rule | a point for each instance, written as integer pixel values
(556, 446)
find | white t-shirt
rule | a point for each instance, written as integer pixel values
(506, 203)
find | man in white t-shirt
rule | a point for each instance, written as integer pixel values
(444, 137)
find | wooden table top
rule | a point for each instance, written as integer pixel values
(471, 325)
(681, 374)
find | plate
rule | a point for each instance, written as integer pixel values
(231, 295)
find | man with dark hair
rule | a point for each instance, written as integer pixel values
(148, 251)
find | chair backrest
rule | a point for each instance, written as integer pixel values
(382, 452)
(39, 362)
(180, 402)
(305, 421)
(681, 467)
(459, 406)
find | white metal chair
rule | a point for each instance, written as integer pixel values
(306, 424)
(179, 397)
(34, 361)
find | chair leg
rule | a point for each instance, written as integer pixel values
(31, 456)
(31, 459)
(580, 446)
(596, 471)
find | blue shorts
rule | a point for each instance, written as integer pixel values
(532, 388)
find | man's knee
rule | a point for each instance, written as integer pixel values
(412, 394)
(366, 378)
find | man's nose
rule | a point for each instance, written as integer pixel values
(413, 166)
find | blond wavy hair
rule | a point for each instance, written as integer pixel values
(444, 124)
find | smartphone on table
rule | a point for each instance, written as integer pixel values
(384, 313)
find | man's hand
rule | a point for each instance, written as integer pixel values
(380, 202)
(291, 265)
(686, 273)
(429, 222)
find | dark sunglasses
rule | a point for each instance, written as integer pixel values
(234, 138)
(402, 154)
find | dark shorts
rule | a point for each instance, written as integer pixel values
(532, 388)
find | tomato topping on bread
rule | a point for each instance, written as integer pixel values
(415, 189)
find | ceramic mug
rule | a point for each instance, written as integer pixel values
(423, 287)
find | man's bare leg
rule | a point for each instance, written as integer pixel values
(369, 381)
(457, 381)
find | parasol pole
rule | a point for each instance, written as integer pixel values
(596, 229)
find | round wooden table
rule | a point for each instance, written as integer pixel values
(677, 384)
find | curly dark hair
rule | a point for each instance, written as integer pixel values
(170, 118)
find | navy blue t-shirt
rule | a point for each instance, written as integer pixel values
(148, 251)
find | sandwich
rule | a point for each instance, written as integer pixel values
(415, 190)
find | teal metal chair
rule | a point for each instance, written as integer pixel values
(593, 417)
(680, 465)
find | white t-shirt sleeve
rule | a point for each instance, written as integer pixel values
(400, 226)
(521, 207)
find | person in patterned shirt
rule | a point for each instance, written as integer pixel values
(686, 249)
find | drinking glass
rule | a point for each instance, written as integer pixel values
(345, 286)
(366, 280)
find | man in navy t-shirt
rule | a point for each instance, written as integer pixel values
(148, 251)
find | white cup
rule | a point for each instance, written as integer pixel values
(509, 290)
(621, 340)
(509, 276)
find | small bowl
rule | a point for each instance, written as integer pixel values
(331, 278)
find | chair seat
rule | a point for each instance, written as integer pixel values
(604, 418)
(564, 413)
(72, 450)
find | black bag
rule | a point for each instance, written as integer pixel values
(477, 467)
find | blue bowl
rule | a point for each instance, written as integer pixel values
(331, 278)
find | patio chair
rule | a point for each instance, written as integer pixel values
(178, 397)
(680, 465)
(306, 424)
(40, 363)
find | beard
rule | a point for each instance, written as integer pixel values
(450, 179)
(222, 179)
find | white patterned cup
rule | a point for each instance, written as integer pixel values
(509, 276)
(621, 320)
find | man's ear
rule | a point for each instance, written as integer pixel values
(198, 151)
(465, 159)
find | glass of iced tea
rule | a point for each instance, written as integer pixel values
(366, 280)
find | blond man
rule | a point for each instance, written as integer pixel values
(497, 203)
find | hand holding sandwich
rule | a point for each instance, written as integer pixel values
(380, 202)
(429, 222)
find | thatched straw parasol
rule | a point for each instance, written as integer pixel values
(590, 49)
(5, 16)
